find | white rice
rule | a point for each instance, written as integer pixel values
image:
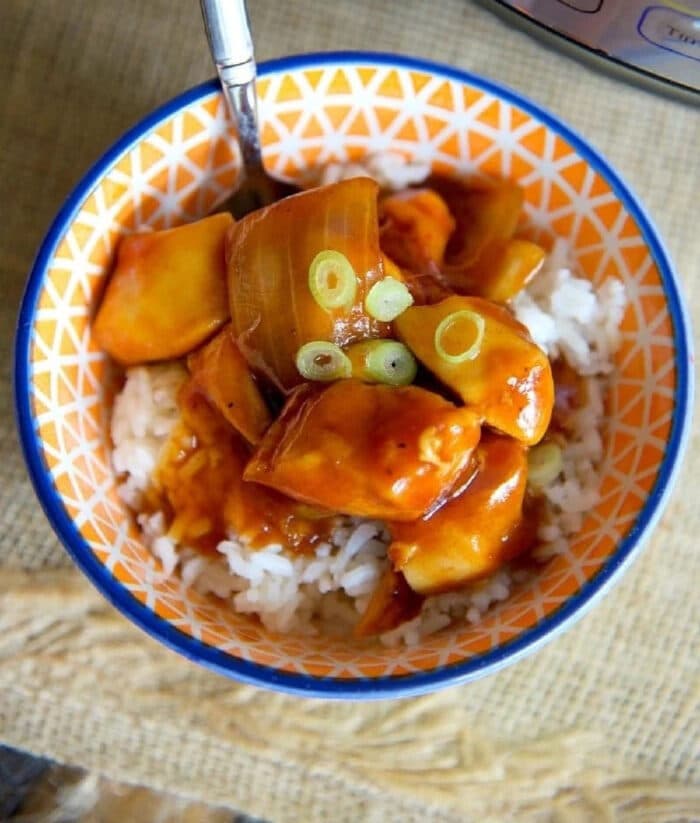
(392, 171)
(326, 591)
(570, 318)
(144, 413)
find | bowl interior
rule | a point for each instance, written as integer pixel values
(313, 113)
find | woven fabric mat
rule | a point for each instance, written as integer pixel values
(601, 724)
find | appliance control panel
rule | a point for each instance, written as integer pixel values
(656, 38)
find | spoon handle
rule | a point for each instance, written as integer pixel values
(231, 45)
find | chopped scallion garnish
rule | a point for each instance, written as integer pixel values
(382, 361)
(324, 361)
(464, 329)
(332, 280)
(544, 463)
(387, 299)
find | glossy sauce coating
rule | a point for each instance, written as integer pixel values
(452, 494)
(367, 450)
(415, 227)
(502, 270)
(199, 480)
(484, 214)
(472, 534)
(393, 602)
(222, 373)
(509, 381)
(269, 253)
(167, 292)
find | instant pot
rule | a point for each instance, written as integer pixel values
(656, 44)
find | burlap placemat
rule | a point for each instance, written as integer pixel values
(603, 723)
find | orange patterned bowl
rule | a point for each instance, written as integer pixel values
(174, 166)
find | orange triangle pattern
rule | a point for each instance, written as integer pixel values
(491, 115)
(63, 352)
(561, 149)
(557, 197)
(408, 131)
(336, 114)
(359, 126)
(269, 135)
(450, 146)
(609, 213)
(313, 77)
(150, 155)
(518, 117)
(290, 118)
(442, 97)
(520, 167)
(339, 84)
(575, 174)
(385, 117)
(288, 90)
(534, 141)
(478, 144)
(390, 85)
(366, 75)
(419, 80)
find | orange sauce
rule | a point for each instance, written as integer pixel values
(474, 532)
(199, 482)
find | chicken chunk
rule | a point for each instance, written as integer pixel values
(367, 450)
(222, 373)
(480, 351)
(167, 293)
(472, 534)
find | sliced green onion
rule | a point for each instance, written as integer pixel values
(383, 361)
(447, 323)
(321, 360)
(387, 299)
(544, 463)
(332, 280)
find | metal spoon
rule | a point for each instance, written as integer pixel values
(231, 45)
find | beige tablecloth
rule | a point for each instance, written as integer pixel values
(602, 722)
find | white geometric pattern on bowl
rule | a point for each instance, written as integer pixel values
(313, 116)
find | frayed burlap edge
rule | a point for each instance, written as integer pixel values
(103, 691)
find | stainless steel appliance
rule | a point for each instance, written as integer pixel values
(656, 43)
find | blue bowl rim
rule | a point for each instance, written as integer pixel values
(364, 688)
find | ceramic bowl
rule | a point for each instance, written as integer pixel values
(173, 167)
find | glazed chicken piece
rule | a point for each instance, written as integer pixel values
(481, 352)
(415, 227)
(474, 254)
(472, 534)
(166, 294)
(393, 602)
(502, 270)
(199, 481)
(222, 373)
(365, 449)
(484, 214)
(483, 258)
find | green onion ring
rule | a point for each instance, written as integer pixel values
(323, 361)
(383, 361)
(474, 349)
(387, 299)
(544, 464)
(332, 280)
